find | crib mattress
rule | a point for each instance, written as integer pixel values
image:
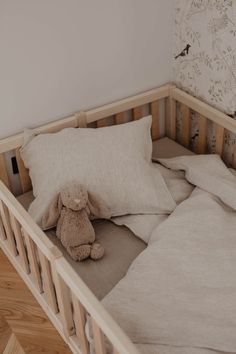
(120, 244)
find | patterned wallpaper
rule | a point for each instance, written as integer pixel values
(207, 69)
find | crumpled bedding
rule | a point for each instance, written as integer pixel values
(167, 349)
(143, 225)
(180, 189)
(179, 295)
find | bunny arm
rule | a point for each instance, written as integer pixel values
(98, 207)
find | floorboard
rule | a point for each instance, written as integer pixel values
(24, 327)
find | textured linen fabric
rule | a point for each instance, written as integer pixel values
(176, 182)
(167, 148)
(180, 189)
(113, 162)
(26, 199)
(167, 349)
(181, 291)
(207, 172)
(143, 225)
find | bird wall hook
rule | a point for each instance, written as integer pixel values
(184, 52)
(233, 115)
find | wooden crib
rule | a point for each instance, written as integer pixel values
(56, 286)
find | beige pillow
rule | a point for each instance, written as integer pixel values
(113, 162)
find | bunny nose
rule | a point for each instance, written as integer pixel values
(77, 201)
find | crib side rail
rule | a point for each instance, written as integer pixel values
(57, 287)
(30, 252)
(208, 119)
(103, 327)
(93, 115)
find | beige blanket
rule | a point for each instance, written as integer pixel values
(181, 291)
(143, 225)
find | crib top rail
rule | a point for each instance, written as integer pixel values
(217, 140)
(115, 113)
(204, 109)
(96, 114)
(93, 115)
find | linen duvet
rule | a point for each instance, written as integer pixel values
(179, 295)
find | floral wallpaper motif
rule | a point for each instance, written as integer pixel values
(208, 71)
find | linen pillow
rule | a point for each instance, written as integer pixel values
(113, 162)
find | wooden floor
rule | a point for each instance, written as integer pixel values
(24, 327)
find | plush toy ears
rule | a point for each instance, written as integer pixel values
(98, 207)
(49, 220)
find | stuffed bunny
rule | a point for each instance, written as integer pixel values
(70, 211)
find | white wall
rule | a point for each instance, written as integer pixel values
(60, 56)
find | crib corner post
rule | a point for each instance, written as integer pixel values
(170, 114)
(81, 119)
(4, 176)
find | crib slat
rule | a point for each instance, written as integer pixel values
(234, 158)
(219, 140)
(7, 225)
(102, 123)
(137, 113)
(48, 282)
(23, 172)
(173, 108)
(155, 120)
(120, 118)
(81, 119)
(99, 340)
(201, 146)
(3, 172)
(20, 243)
(80, 321)
(170, 118)
(2, 231)
(64, 304)
(186, 125)
(34, 266)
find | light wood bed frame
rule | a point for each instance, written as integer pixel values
(56, 286)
